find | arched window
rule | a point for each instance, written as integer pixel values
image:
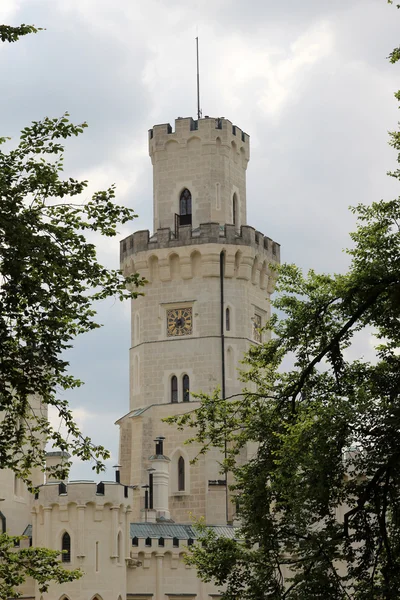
(186, 388)
(227, 320)
(66, 548)
(174, 388)
(181, 474)
(185, 208)
(235, 210)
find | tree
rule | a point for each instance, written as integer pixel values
(320, 501)
(49, 280)
(18, 564)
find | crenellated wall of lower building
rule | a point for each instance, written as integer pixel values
(161, 573)
(15, 503)
(96, 517)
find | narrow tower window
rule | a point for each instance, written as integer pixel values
(181, 474)
(186, 386)
(185, 208)
(97, 557)
(228, 319)
(174, 389)
(66, 548)
(235, 210)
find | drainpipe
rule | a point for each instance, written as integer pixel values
(223, 386)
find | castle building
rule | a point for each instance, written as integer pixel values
(207, 296)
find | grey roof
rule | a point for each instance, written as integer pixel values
(166, 530)
(174, 530)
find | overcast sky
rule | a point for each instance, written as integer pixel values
(308, 80)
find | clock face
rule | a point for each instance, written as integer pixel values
(179, 322)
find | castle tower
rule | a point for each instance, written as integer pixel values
(208, 157)
(208, 295)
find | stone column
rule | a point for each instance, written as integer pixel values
(159, 577)
(34, 527)
(160, 464)
(128, 532)
(114, 531)
(47, 526)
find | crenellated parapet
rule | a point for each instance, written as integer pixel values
(248, 255)
(208, 233)
(83, 492)
(167, 538)
(209, 130)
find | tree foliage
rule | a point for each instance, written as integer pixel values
(50, 278)
(319, 502)
(39, 563)
(12, 34)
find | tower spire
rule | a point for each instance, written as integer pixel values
(198, 80)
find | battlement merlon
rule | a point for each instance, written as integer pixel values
(83, 492)
(207, 129)
(207, 233)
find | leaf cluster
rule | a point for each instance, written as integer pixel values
(39, 563)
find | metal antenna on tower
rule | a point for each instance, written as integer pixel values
(198, 80)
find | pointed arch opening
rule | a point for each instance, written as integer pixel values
(255, 271)
(263, 275)
(174, 389)
(195, 259)
(179, 482)
(185, 207)
(174, 266)
(181, 474)
(227, 319)
(186, 388)
(238, 259)
(153, 267)
(66, 547)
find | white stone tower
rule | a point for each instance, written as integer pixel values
(208, 294)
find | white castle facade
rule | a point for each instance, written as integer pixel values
(208, 290)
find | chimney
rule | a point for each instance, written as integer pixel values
(159, 485)
(54, 459)
(117, 473)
